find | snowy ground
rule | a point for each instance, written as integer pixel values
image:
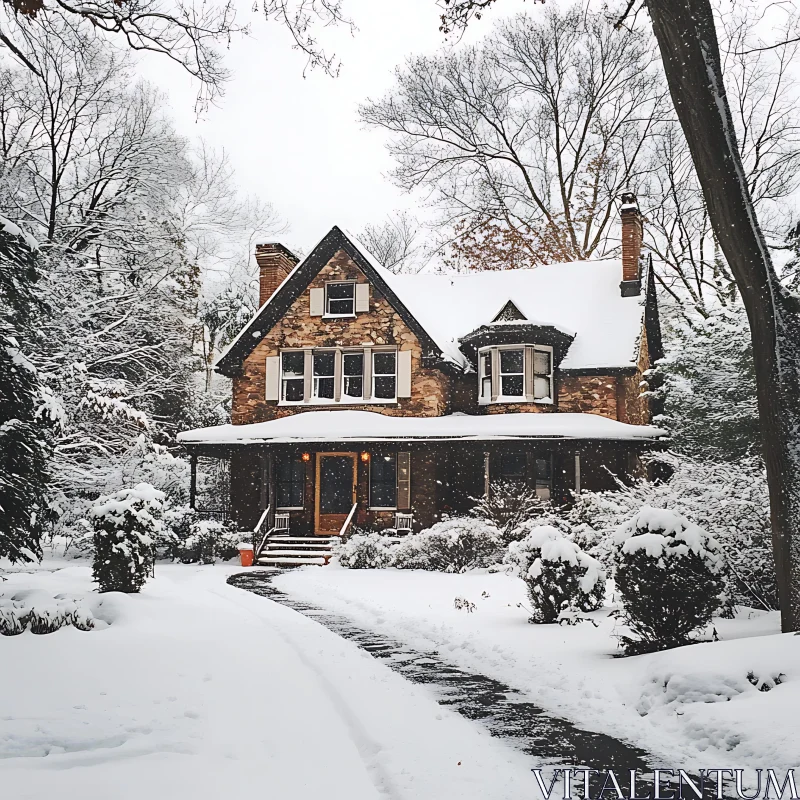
(196, 689)
(692, 707)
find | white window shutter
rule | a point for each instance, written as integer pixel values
(362, 298)
(404, 373)
(529, 372)
(273, 380)
(404, 480)
(317, 302)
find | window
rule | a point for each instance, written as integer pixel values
(383, 481)
(544, 477)
(324, 363)
(340, 299)
(542, 374)
(353, 375)
(485, 367)
(512, 468)
(512, 373)
(384, 375)
(292, 376)
(290, 478)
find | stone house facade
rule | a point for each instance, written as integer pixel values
(359, 395)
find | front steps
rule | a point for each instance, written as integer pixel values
(294, 551)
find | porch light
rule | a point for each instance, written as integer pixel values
(365, 457)
(305, 457)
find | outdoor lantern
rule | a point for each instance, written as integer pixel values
(305, 457)
(365, 457)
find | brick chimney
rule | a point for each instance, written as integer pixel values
(631, 245)
(275, 262)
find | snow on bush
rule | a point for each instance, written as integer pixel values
(209, 540)
(365, 551)
(559, 575)
(508, 505)
(44, 616)
(671, 576)
(126, 525)
(453, 545)
(728, 499)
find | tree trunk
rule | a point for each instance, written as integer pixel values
(687, 39)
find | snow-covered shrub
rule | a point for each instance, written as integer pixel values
(559, 575)
(126, 525)
(13, 618)
(364, 551)
(730, 500)
(209, 540)
(49, 618)
(670, 575)
(508, 505)
(453, 545)
(178, 520)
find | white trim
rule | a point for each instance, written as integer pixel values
(290, 508)
(516, 398)
(326, 314)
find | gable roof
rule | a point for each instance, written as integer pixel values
(581, 298)
(297, 281)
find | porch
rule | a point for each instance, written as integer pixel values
(306, 469)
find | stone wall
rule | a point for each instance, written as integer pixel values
(592, 394)
(381, 326)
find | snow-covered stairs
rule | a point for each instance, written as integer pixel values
(294, 551)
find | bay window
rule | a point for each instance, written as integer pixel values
(515, 374)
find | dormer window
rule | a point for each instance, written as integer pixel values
(340, 299)
(515, 374)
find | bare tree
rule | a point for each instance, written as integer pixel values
(687, 38)
(396, 242)
(192, 34)
(527, 139)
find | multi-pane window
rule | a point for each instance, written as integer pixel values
(353, 375)
(542, 374)
(324, 365)
(485, 366)
(512, 373)
(383, 481)
(384, 375)
(292, 376)
(290, 477)
(340, 299)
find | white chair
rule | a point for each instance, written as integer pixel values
(281, 525)
(403, 523)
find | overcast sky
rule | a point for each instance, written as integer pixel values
(297, 141)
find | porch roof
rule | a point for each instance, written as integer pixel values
(368, 426)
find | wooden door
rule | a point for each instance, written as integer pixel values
(335, 490)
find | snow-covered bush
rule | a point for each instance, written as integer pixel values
(559, 575)
(365, 551)
(508, 505)
(453, 545)
(178, 520)
(49, 618)
(126, 525)
(670, 575)
(13, 618)
(209, 540)
(730, 500)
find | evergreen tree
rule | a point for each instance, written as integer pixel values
(23, 434)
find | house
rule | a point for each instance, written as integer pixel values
(358, 390)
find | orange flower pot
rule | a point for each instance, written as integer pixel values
(246, 555)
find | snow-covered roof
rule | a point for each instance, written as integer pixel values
(369, 426)
(579, 298)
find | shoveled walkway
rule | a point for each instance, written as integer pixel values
(551, 740)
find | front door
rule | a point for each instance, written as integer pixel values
(336, 490)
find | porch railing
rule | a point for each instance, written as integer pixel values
(348, 520)
(257, 530)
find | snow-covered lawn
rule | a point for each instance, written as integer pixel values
(692, 707)
(194, 689)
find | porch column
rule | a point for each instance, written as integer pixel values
(577, 473)
(270, 486)
(263, 490)
(486, 476)
(193, 481)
